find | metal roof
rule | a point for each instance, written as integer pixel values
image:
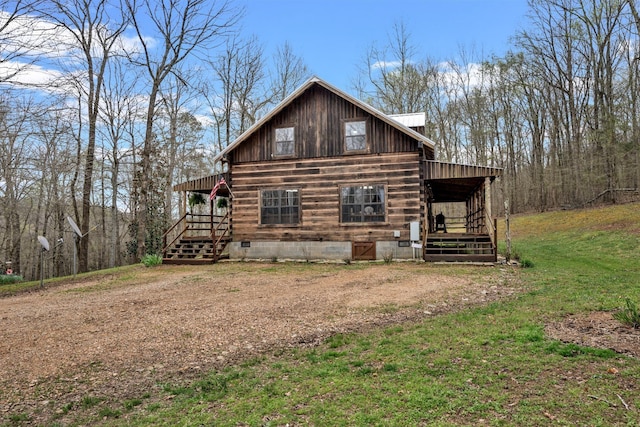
(410, 120)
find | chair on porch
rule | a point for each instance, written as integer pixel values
(440, 223)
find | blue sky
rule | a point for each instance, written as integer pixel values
(333, 36)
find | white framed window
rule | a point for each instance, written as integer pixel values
(280, 206)
(285, 141)
(362, 203)
(355, 135)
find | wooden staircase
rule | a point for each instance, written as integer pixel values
(196, 241)
(463, 247)
(194, 250)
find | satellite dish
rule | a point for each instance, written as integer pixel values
(74, 227)
(44, 242)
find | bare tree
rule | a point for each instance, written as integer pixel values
(17, 39)
(290, 72)
(179, 28)
(53, 146)
(630, 90)
(552, 47)
(16, 175)
(94, 28)
(634, 13)
(397, 78)
(119, 111)
(601, 45)
(237, 95)
(181, 133)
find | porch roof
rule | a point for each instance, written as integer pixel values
(203, 185)
(454, 182)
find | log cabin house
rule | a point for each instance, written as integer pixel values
(326, 176)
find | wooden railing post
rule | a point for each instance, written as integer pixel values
(495, 239)
(492, 230)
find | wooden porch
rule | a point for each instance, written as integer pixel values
(198, 238)
(471, 237)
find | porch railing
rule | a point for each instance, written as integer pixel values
(174, 233)
(476, 224)
(190, 225)
(220, 232)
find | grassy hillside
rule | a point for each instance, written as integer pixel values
(584, 260)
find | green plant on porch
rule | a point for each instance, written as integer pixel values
(196, 199)
(222, 203)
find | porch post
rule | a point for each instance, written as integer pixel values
(487, 197)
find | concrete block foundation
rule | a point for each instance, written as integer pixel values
(314, 250)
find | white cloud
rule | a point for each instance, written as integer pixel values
(385, 65)
(204, 120)
(130, 44)
(31, 40)
(459, 78)
(27, 74)
(33, 37)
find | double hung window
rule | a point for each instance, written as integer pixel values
(355, 135)
(285, 141)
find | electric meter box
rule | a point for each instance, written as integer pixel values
(414, 231)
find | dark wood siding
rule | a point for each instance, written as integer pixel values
(319, 182)
(318, 116)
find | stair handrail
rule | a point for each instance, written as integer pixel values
(166, 233)
(216, 241)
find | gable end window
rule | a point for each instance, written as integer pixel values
(365, 203)
(280, 207)
(285, 141)
(355, 135)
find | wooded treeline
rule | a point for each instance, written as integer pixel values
(145, 92)
(559, 112)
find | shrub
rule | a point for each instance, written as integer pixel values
(6, 279)
(388, 257)
(151, 260)
(629, 315)
(526, 263)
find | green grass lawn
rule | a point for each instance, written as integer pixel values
(491, 365)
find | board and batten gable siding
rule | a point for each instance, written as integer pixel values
(318, 116)
(319, 181)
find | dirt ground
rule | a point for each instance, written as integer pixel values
(118, 337)
(598, 329)
(115, 337)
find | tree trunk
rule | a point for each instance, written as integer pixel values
(145, 174)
